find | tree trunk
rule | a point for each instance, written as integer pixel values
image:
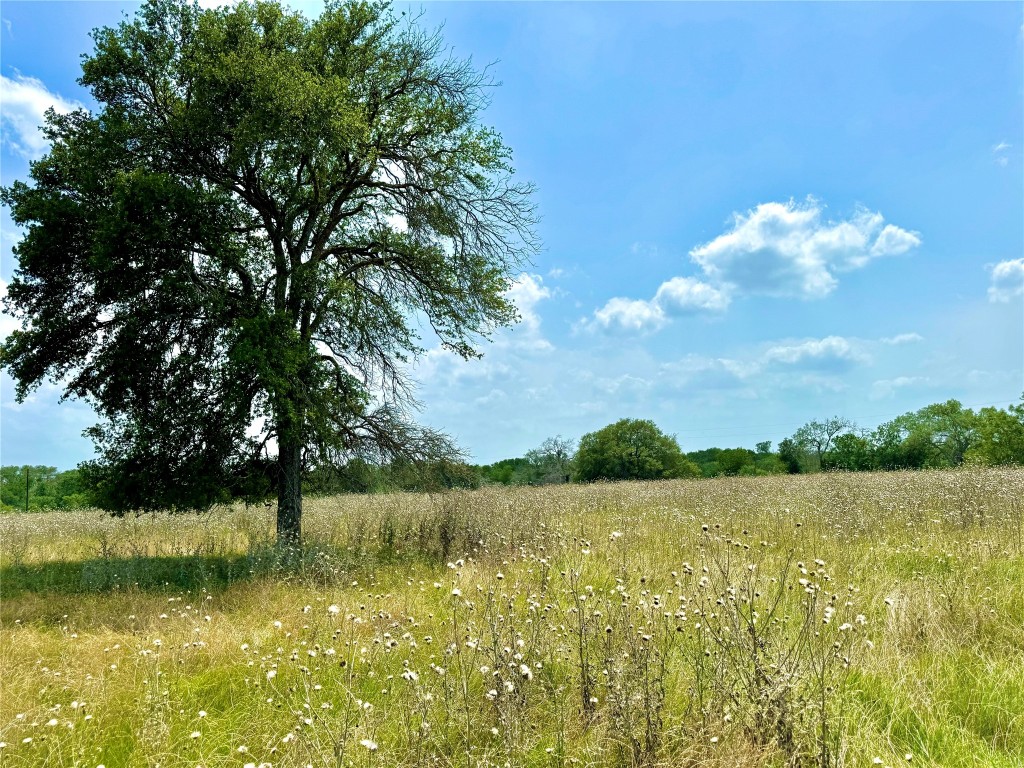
(289, 494)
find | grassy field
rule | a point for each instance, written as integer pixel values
(812, 620)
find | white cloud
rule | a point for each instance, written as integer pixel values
(684, 295)
(831, 352)
(999, 153)
(1007, 280)
(675, 297)
(25, 101)
(788, 363)
(902, 338)
(788, 249)
(885, 388)
(628, 315)
(526, 292)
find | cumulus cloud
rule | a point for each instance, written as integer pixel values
(628, 315)
(676, 297)
(790, 250)
(25, 101)
(1007, 280)
(830, 353)
(685, 295)
(777, 249)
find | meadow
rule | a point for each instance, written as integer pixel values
(818, 620)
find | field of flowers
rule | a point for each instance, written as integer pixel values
(823, 620)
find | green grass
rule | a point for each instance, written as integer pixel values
(409, 621)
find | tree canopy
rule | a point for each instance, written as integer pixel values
(231, 260)
(631, 449)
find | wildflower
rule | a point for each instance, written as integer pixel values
(195, 735)
(334, 610)
(456, 592)
(202, 713)
(368, 744)
(526, 672)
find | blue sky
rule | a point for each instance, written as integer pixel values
(753, 215)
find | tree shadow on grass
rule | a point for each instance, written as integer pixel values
(315, 565)
(213, 573)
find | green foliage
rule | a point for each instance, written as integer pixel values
(791, 455)
(631, 449)
(216, 249)
(47, 489)
(851, 453)
(816, 438)
(999, 436)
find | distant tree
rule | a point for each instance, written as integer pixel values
(792, 456)
(763, 448)
(851, 453)
(771, 465)
(732, 461)
(236, 252)
(999, 436)
(950, 427)
(938, 435)
(816, 437)
(631, 449)
(552, 461)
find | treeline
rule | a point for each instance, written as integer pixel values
(938, 435)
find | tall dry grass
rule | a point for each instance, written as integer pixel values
(816, 620)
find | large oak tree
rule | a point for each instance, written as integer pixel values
(233, 257)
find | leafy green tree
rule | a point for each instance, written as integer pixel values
(551, 462)
(792, 456)
(951, 429)
(938, 435)
(999, 436)
(732, 461)
(851, 453)
(631, 449)
(816, 438)
(231, 258)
